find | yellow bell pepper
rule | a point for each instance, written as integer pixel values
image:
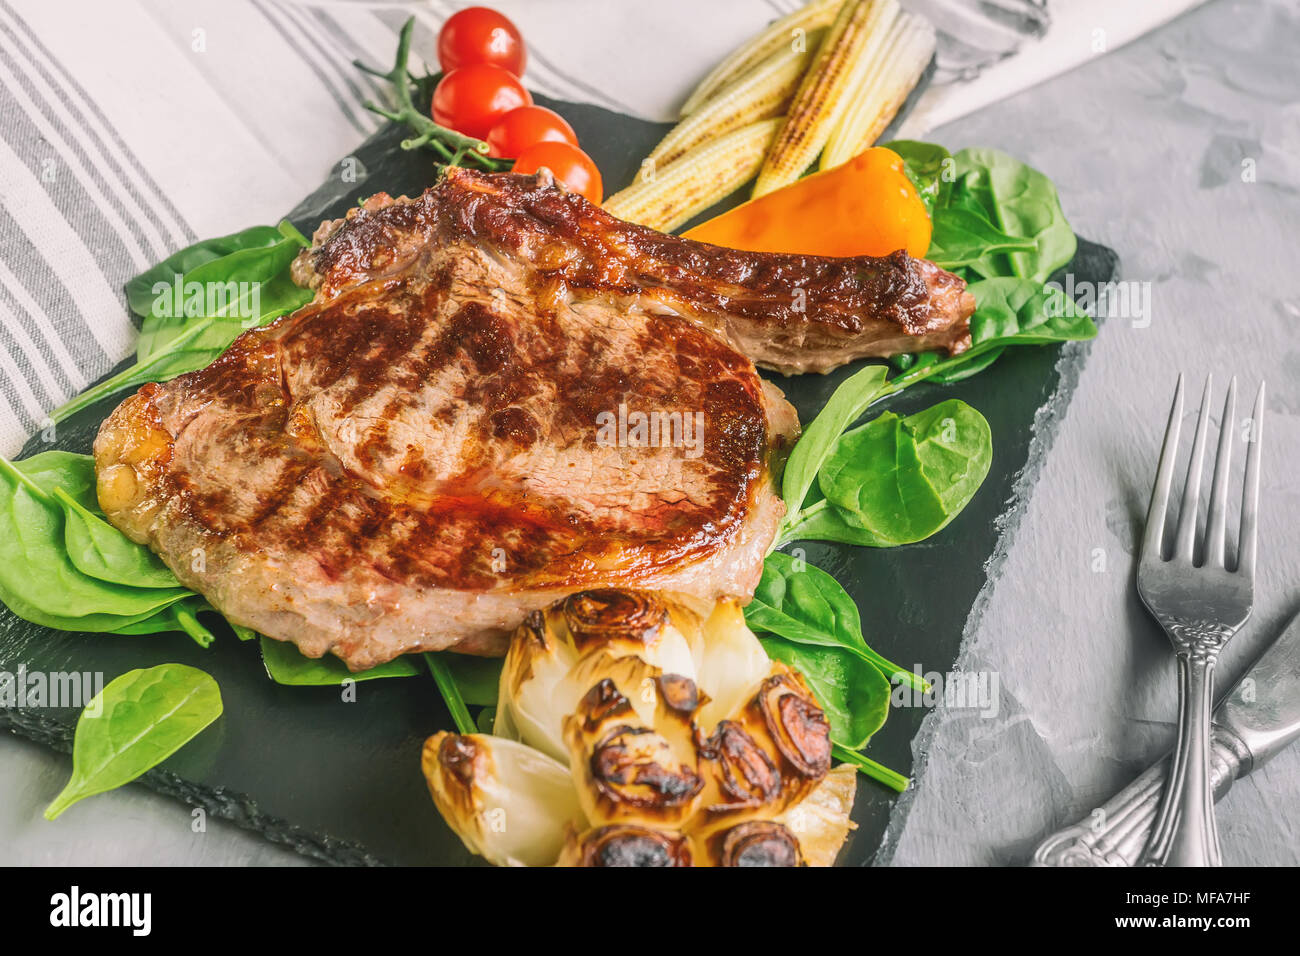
(865, 207)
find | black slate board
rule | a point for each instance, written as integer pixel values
(341, 782)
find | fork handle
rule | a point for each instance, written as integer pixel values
(1115, 833)
(1185, 833)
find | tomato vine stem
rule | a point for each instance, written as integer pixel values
(455, 149)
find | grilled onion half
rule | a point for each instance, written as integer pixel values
(632, 730)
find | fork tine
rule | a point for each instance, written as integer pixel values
(1153, 536)
(1186, 539)
(1250, 490)
(1215, 520)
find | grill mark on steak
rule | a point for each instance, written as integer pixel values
(355, 472)
(332, 525)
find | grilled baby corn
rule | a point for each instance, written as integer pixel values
(664, 198)
(841, 62)
(760, 93)
(780, 35)
(872, 104)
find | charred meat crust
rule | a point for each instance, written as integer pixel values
(414, 460)
(790, 313)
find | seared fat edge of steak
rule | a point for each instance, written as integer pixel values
(199, 469)
(788, 313)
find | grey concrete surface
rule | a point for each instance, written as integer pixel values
(1147, 146)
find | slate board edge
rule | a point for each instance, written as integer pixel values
(1047, 423)
(214, 801)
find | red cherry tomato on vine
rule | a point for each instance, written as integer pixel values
(521, 128)
(471, 99)
(481, 35)
(570, 165)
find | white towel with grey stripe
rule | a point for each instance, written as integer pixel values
(130, 129)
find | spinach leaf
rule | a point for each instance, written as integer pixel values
(171, 344)
(865, 765)
(805, 605)
(463, 680)
(478, 678)
(961, 237)
(285, 664)
(845, 406)
(194, 348)
(39, 582)
(248, 287)
(1024, 312)
(181, 616)
(806, 620)
(98, 549)
(820, 521)
(135, 723)
(961, 370)
(931, 169)
(992, 215)
(852, 691)
(971, 366)
(451, 695)
(1008, 311)
(75, 474)
(964, 230)
(900, 480)
(140, 294)
(1020, 201)
(1000, 221)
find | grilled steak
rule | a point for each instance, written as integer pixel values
(500, 395)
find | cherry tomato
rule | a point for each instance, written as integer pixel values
(472, 98)
(481, 35)
(521, 128)
(570, 165)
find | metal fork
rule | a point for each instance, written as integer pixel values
(1200, 607)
